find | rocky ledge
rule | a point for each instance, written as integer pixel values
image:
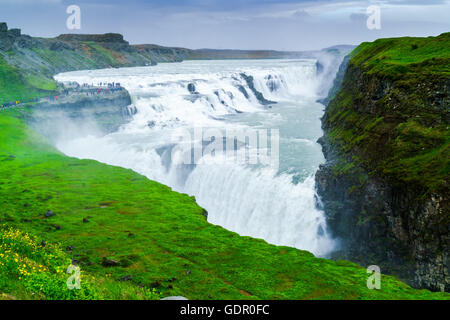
(104, 112)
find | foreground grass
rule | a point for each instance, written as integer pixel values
(159, 238)
(31, 268)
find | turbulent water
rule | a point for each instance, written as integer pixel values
(275, 201)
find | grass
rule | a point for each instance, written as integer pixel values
(159, 238)
(397, 56)
(16, 87)
(31, 268)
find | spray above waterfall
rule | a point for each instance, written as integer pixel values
(263, 199)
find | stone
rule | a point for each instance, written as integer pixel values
(175, 298)
(126, 278)
(110, 263)
(49, 214)
(191, 88)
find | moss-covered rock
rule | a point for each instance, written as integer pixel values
(387, 145)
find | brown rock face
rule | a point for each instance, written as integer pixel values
(107, 37)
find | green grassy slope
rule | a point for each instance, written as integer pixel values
(159, 237)
(397, 125)
(31, 268)
(18, 85)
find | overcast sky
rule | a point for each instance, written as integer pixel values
(233, 24)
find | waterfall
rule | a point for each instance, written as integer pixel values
(277, 204)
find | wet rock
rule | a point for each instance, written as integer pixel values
(191, 88)
(250, 83)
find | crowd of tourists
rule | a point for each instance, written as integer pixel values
(69, 89)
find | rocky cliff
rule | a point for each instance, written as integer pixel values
(385, 183)
(69, 115)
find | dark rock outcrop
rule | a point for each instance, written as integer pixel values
(250, 83)
(108, 37)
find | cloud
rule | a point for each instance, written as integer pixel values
(28, 2)
(358, 17)
(417, 2)
(301, 14)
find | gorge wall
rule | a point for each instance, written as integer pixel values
(79, 113)
(385, 183)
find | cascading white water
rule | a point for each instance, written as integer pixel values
(276, 205)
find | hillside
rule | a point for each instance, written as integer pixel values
(28, 64)
(118, 225)
(387, 146)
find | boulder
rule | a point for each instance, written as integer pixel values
(110, 263)
(3, 27)
(191, 88)
(49, 214)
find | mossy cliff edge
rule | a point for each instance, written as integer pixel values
(385, 184)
